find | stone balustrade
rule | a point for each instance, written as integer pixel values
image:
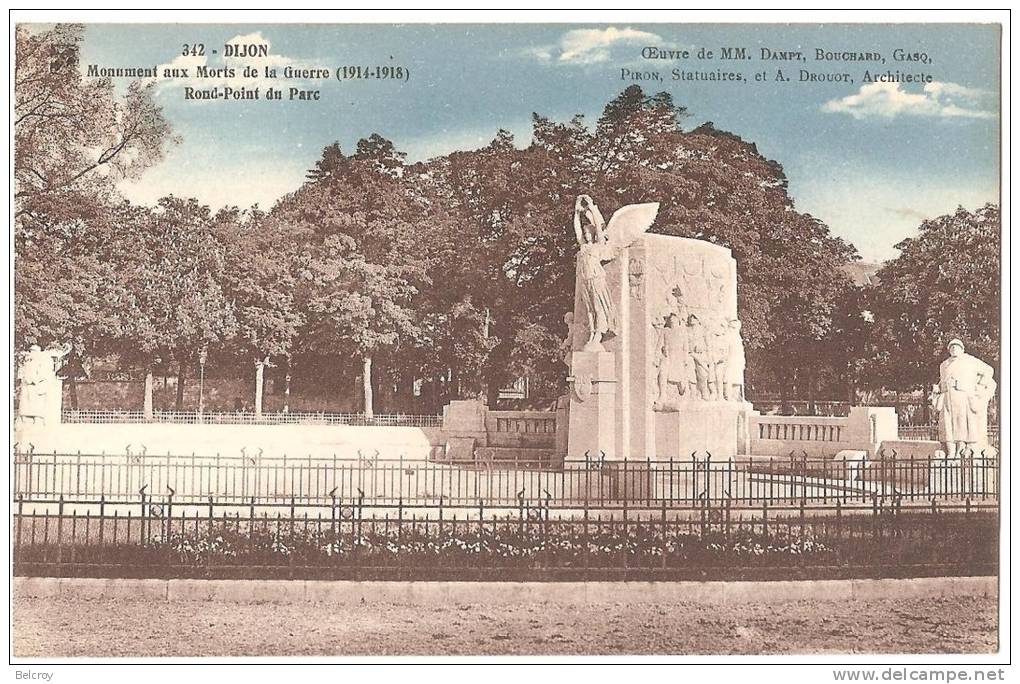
(864, 429)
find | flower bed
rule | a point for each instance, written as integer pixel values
(530, 549)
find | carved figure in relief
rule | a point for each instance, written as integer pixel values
(701, 356)
(736, 362)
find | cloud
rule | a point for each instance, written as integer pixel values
(890, 100)
(202, 177)
(590, 46)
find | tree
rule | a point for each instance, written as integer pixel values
(181, 308)
(259, 279)
(943, 285)
(361, 263)
(809, 284)
(711, 185)
(73, 135)
(74, 138)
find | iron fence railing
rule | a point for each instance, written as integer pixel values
(931, 433)
(223, 540)
(742, 481)
(249, 418)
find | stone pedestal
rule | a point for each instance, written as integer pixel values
(593, 406)
(614, 483)
(716, 427)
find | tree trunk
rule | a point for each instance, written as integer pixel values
(366, 380)
(810, 381)
(851, 387)
(72, 387)
(179, 404)
(260, 368)
(147, 395)
(286, 387)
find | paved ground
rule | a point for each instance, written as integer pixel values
(117, 627)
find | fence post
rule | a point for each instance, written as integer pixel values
(361, 503)
(440, 530)
(839, 518)
(587, 539)
(664, 536)
(169, 513)
(874, 515)
(672, 476)
(102, 520)
(17, 533)
(143, 519)
(332, 513)
(703, 509)
(60, 536)
(251, 526)
(729, 509)
(520, 512)
(694, 477)
(400, 534)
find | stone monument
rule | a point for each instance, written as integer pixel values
(656, 357)
(40, 392)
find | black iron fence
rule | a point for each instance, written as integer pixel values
(891, 538)
(931, 433)
(741, 482)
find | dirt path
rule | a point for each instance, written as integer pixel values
(108, 627)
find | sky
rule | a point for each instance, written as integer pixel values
(871, 160)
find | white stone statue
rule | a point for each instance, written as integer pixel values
(40, 385)
(966, 385)
(598, 244)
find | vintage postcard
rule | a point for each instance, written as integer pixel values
(614, 337)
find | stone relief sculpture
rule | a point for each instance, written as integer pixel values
(735, 364)
(598, 244)
(698, 357)
(701, 356)
(673, 360)
(719, 355)
(966, 385)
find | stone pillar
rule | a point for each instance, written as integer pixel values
(562, 425)
(463, 429)
(593, 406)
(869, 426)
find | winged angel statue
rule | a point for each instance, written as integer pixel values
(599, 244)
